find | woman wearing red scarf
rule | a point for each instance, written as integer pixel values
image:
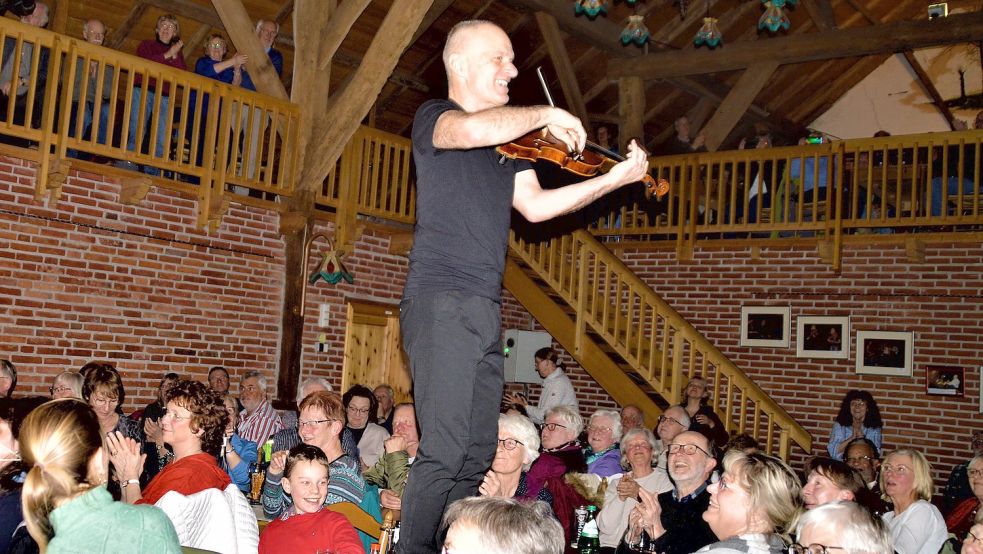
(962, 517)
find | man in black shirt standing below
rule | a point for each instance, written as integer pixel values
(450, 315)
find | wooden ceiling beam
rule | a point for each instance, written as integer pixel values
(929, 86)
(136, 12)
(821, 12)
(673, 28)
(889, 37)
(341, 23)
(310, 85)
(187, 8)
(564, 69)
(436, 10)
(242, 33)
(737, 102)
(862, 10)
(193, 45)
(284, 12)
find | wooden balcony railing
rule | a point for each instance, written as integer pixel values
(197, 131)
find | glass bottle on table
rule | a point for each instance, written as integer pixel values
(589, 541)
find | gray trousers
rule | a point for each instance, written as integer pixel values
(453, 341)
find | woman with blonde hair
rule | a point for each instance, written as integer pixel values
(754, 505)
(66, 505)
(915, 524)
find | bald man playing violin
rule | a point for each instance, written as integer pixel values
(451, 308)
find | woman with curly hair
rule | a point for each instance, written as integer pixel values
(193, 426)
(858, 418)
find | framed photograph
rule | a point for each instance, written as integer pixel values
(822, 337)
(765, 325)
(945, 380)
(885, 352)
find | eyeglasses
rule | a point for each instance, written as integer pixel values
(859, 459)
(355, 410)
(509, 444)
(858, 404)
(553, 426)
(174, 415)
(312, 422)
(891, 468)
(640, 445)
(216, 45)
(671, 420)
(103, 401)
(688, 449)
(60, 389)
(595, 429)
(976, 473)
(796, 548)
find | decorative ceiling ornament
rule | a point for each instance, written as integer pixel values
(590, 7)
(635, 31)
(709, 34)
(774, 17)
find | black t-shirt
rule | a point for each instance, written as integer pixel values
(463, 210)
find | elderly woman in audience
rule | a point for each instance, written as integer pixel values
(66, 505)
(964, 515)
(561, 449)
(320, 422)
(8, 378)
(638, 454)
(830, 480)
(518, 448)
(753, 505)
(841, 526)
(702, 418)
(67, 384)
(237, 453)
(916, 525)
(493, 525)
(193, 426)
(360, 404)
(603, 434)
(858, 417)
(103, 390)
(12, 473)
(973, 543)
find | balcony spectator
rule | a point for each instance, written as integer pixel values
(214, 65)
(94, 32)
(681, 142)
(16, 76)
(948, 165)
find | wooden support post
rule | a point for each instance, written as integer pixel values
(59, 17)
(242, 33)
(136, 12)
(341, 22)
(193, 45)
(631, 108)
(733, 107)
(929, 86)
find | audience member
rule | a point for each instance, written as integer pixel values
(306, 526)
(13, 536)
(218, 379)
(672, 422)
(494, 525)
(606, 139)
(384, 397)
(165, 48)
(753, 506)
(87, 77)
(841, 526)
(915, 524)
(762, 176)
(103, 390)
(370, 438)
(67, 384)
(603, 433)
(956, 167)
(557, 390)
(858, 417)
(320, 422)
(289, 417)
(267, 32)
(964, 515)
(390, 472)
(862, 455)
(193, 426)
(638, 456)
(214, 65)
(703, 419)
(681, 142)
(802, 170)
(561, 451)
(743, 442)
(8, 378)
(631, 418)
(973, 543)
(158, 455)
(16, 75)
(237, 454)
(66, 504)
(518, 448)
(258, 419)
(957, 488)
(830, 480)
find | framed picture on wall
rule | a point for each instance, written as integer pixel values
(945, 380)
(822, 337)
(885, 352)
(765, 325)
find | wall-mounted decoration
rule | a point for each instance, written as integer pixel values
(765, 325)
(885, 352)
(822, 337)
(945, 380)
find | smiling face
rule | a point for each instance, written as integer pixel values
(899, 477)
(358, 412)
(317, 434)
(482, 67)
(216, 49)
(820, 490)
(508, 462)
(307, 486)
(976, 478)
(94, 32)
(267, 33)
(692, 468)
(599, 433)
(730, 506)
(861, 458)
(166, 31)
(639, 452)
(858, 409)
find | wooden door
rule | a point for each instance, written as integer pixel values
(373, 349)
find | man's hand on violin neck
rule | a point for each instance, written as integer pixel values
(633, 168)
(566, 127)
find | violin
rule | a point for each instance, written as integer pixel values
(541, 145)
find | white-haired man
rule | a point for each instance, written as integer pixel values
(258, 419)
(94, 32)
(17, 81)
(450, 316)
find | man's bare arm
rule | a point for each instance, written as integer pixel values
(460, 130)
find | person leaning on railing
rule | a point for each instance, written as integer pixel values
(94, 32)
(19, 82)
(959, 157)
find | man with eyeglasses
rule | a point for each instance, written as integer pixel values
(673, 521)
(258, 419)
(672, 422)
(861, 454)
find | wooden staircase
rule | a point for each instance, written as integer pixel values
(631, 341)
